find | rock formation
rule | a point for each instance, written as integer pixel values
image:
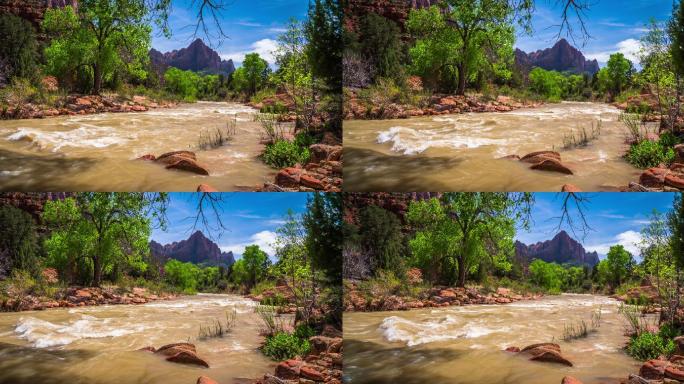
(33, 10)
(196, 249)
(562, 57)
(197, 57)
(394, 202)
(395, 10)
(562, 249)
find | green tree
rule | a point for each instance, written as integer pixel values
(620, 264)
(293, 263)
(97, 38)
(550, 276)
(323, 223)
(480, 32)
(252, 75)
(380, 42)
(381, 238)
(619, 71)
(256, 263)
(477, 224)
(182, 275)
(19, 50)
(657, 72)
(550, 84)
(324, 34)
(18, 240)
(675, 223)
(182, 83)
(102, 229)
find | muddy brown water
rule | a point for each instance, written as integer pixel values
(461, 152)
(464, 345)
(98, 152)
(98, 344)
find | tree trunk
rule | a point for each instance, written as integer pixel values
(97, 271)
(461, 272)
(97, 79)
(461, 79)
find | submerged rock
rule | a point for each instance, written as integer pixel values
(552, 165)
(543, 352)
(206, 380)
(540, 156)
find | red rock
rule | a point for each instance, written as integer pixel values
(50, 275)
(148, 349)
(513, 349)
(674, 180)
(653, 177)
(550, 356)
(189, 165)
(311, 182)
(206, 380)
(570, 188)
(138, 108)
(172, 349)
(570, 380)
(187, 357)
(288, 370)
(653, 369)
(82, 293)
(551, 346)
(288, 177)
(310, 373)
(673, 372)
(538, 157)
(149, 157)
(82, 101)
(679, 343)
(206, 188)
(551, 165)
(165, 157)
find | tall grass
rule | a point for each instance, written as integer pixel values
(272, 322)
(580, 330)
(272, 128)
(218, 328)
(583, 136)
(219, 136)
(637, 322)
(636, 127)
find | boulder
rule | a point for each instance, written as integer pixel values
(310, 373)
(172, 157)
(187, 357)
(653, 177)
(570, 380)
(570, 188)
(674, 372)
(172, 349)
(552, 165)
(206, 380)
(206, 188)
(513, 349)
(288, 369)
(311, 182)
(550, 356)
(679, 344)
(653, 369)
(679, 153)
(288, 177)
(189, 165)
(538, 157)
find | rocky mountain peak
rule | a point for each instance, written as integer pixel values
(197, 57)
(197, 249)
(562, 57)
(562, 249)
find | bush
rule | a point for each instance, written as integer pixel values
(304, 331)
(647, 346)
(283, 346)
(283, 153)
(647, 154)
(19, 48)
(18, 241)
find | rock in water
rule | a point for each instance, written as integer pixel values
(552, 165)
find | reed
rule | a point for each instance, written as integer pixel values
(580, 330)
(219, 136)
(272, 322)
(583, 136)
(218, 328)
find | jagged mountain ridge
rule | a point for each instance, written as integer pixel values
(196, 57)
(562, 249)
(197, 249)
(562, 57)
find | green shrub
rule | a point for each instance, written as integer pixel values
(647, 154)
(285, 153)
(304, 331)
(19, 48)
(18, 239)
(276, 300)
(648, 346)
(283, 346)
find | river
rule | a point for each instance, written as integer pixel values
(98, 152)
(465, 345)
(98, 344)
(461, 152)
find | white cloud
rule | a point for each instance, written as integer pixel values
(264, 47)
(264, 239)
(630, 48)
(628, 239)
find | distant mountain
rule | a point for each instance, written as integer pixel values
(197, 57)
(197, 249)
(562, 249)
(562, 57)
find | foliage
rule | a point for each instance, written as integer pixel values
(550, 276)
(647, 154)
(96, 233)
(182, 83)
(323, 30)
(323, 223)
(462, 230)
(647, 346)
(252, 75)
(18, 240)
(283, 346)
(284, 153)
(617, 75)
(182, 275)
(380, 237)
(101, 40)
(218, 328)
(19, 50)
(379, 41)
(256, 263)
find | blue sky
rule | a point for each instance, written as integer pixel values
(614, 25)
(250, 218)
(616, 218)
(251, 26)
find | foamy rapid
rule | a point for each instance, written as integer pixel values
(201, 301)
(83, 137)
(44, 334)
(398, 329)
(410, 141)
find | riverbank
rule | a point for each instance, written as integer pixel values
(71, 297)
(435, 297)
(76, 104)
(437, 104)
